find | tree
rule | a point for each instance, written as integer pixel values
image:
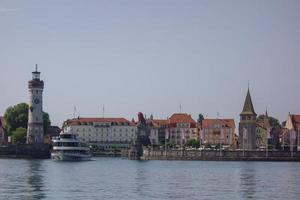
(47, 122)
(273, 121)
(193, 143)
(151, 117)
(200, 118)
(19, 136)
(17, 117)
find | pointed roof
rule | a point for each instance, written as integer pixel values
(248, 105)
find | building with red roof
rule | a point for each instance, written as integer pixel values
(181, 128)
(106, 133)
(218, 132)
(291, 135)
(158, 131)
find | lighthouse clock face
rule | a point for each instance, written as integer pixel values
(36, 101)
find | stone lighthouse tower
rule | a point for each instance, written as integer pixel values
(35, 130)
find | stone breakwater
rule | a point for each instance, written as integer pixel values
(223, 155)
(25, 151)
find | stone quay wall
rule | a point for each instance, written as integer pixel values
(25, 151)
(223, 155)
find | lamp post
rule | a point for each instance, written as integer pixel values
(298, 147)
(166, 138)
(221, 137)
(267, 142)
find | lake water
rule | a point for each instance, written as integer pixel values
(120, 179)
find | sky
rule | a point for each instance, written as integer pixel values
(152, 56)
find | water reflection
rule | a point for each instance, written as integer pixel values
(141, 180)
(248, 181)
(35, 180)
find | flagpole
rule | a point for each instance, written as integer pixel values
(283, 140)
(267, 142)
(291, 147)
(166, 137)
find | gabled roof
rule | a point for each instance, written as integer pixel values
(296, 121)
(53, 131)
(181, 118)
(248, 105)
(227, 122)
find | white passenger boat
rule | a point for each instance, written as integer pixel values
(67, 148)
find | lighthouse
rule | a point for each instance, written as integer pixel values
(35, 130)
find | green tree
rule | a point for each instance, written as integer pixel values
(193, 143)
(47, 122)
(19, 136)
(200, 118)
(17, 117)
(273, 121)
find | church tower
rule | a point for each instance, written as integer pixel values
(35, 130)
(247, 125)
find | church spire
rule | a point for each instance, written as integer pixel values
(248, 105)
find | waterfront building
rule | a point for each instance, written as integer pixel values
(218, 132)
(247, 125)
(181, 128)
(35, 130)
(158, 129)
(107, 133)
(263, 132)
(291, 136)
(52, 131)
(2, 131)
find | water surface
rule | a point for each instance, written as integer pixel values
(115, 178)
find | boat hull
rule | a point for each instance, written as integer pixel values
(70, 157)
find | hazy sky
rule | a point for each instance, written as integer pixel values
(152, 56)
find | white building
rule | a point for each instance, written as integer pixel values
(105, 132)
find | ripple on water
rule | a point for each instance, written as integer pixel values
(114, 178)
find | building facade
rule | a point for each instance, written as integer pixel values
(158, 128)
(107, 133)
(291, 135)
(247, 125)
(216, 132)
(52, 131)
(181, 128)
(263, 130)
(35, 130)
